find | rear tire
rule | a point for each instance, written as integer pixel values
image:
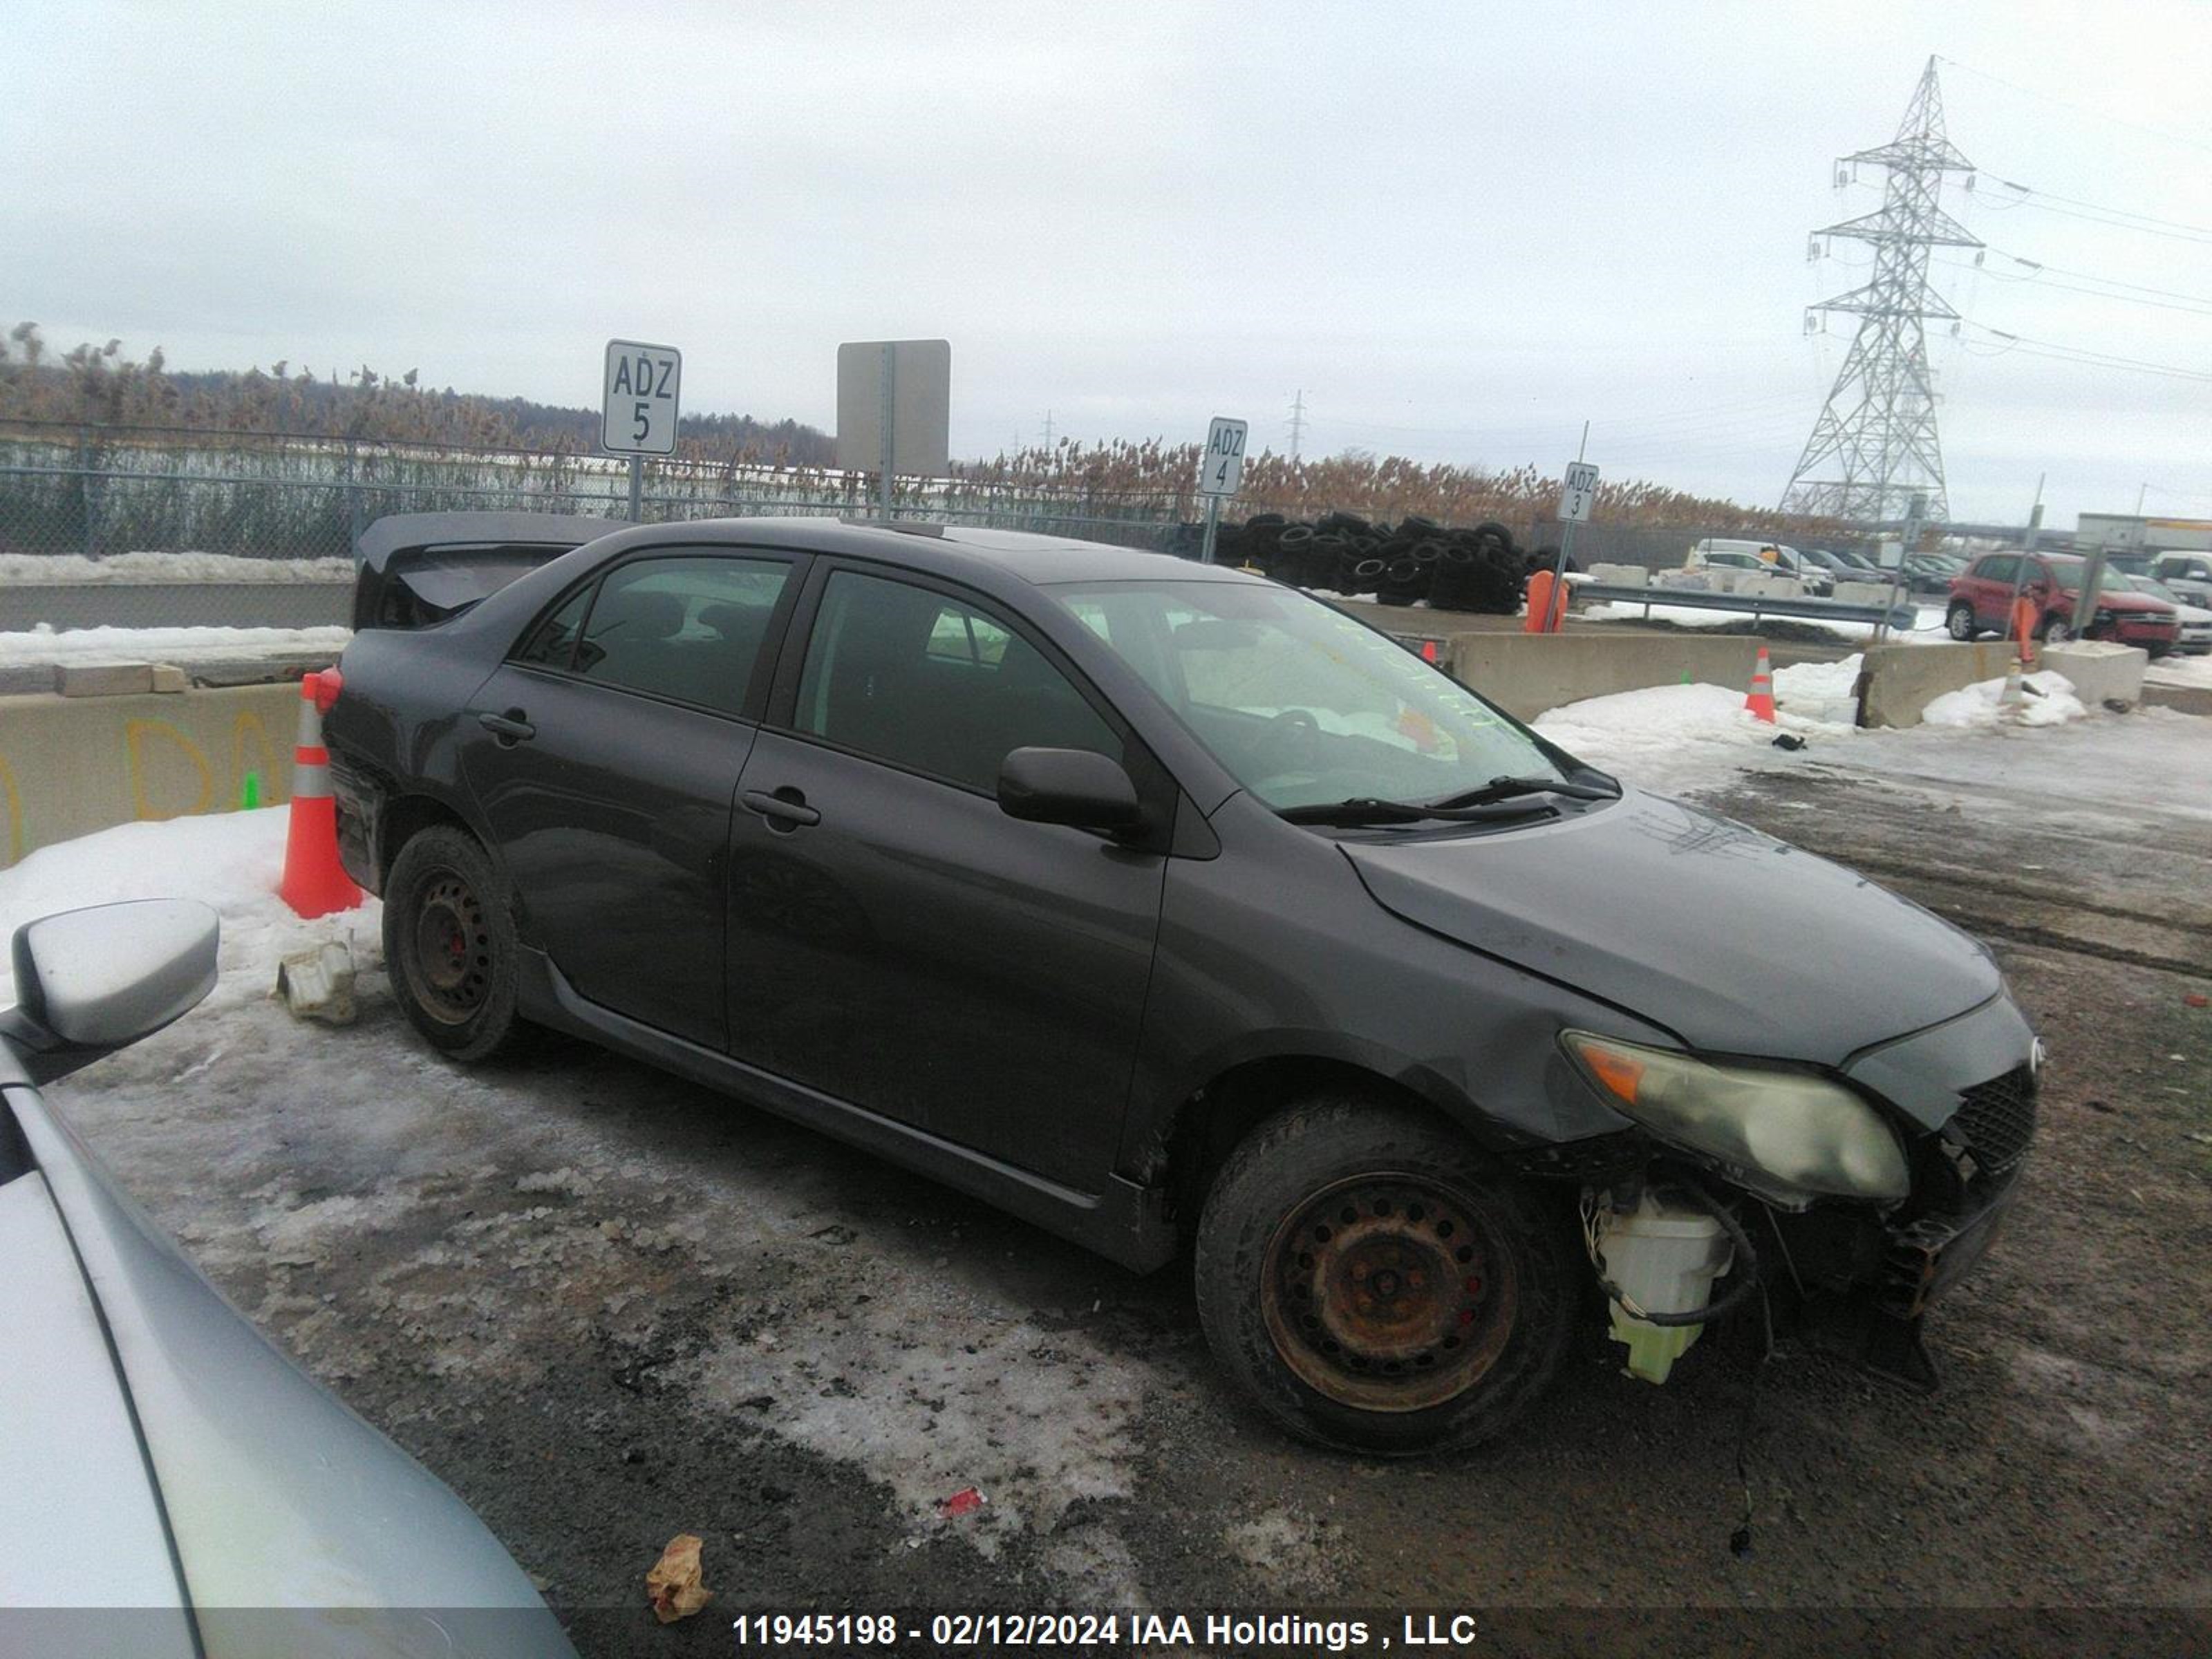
(1961, 622)
(1377, 1283)
(450, 946)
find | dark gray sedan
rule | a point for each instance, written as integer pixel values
(1176, 911)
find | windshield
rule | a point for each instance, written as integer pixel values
(1300, 704)
(2068, 576)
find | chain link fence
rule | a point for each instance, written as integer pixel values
(92, 519)
(95, 492)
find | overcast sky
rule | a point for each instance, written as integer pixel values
(1461, 229)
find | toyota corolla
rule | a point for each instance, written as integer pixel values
(1184, 915)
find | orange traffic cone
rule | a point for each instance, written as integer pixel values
(1759, 705)
(314, 882)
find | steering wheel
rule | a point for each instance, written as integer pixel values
(1291, 740)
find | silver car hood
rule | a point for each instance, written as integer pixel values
(80, 1522)
(296, 1528)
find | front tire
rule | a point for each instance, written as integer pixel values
(1961, 622)
(450, 946)
(2054, 631)
(1377, 1283)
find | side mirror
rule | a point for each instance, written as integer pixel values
(1068, 786)
(90, 981)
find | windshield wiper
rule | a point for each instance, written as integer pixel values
(1499, 789)
(1366, 808)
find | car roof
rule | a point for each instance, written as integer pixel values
(947, 550)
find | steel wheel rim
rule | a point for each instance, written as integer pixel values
(1962, 624)
(450, 950)
(1389, 1293)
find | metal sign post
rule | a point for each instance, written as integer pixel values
(889, 427)
(894, 415)
(1220, 474)
(2092, 572)
(1577, 494)
(1907, 542)
(639, 412)
(2019, 565)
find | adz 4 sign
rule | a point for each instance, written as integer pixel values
(638, 416)
(1222, 471)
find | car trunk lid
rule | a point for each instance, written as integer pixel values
(415, 569)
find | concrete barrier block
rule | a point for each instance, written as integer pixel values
(1769, 587)
(1620, 576)
(168, 677)
(71, 765)
(2099, 672)
(1861, 593)
(1530, 674)
(1898, 680)
(102, 679)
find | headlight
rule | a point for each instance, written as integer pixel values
(1785, 1135)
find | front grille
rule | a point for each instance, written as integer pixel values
(1995, 1123)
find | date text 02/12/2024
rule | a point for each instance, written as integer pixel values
(981, 1631)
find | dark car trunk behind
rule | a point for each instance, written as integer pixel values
(419, 568)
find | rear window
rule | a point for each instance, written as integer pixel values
(689, 628)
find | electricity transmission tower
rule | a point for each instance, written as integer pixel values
(1873, 446)
(1297, 421)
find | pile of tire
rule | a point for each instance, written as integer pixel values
(1476, 568)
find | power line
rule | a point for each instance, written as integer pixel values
(2081, 355)
(2091, 276)
(2113, 218)
(2083, 109)
(2202, 309)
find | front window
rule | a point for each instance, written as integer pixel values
(1300, 704)
(916, 677)
(2068, 576)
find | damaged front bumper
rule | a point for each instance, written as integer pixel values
(1863, 1283)
(1850, 1277)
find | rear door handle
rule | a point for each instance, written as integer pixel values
(786, 806)
(509, 728)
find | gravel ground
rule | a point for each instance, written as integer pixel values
(608, 1307)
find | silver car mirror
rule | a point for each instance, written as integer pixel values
(100, 979)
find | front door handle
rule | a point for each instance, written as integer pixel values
(786, 809)
(509, 728)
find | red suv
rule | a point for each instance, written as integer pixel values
(1981, 597)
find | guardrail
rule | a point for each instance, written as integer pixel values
(1696, 598)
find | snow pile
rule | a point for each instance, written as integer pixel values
(72, 568)
(230, 861)
(1978, 705)
(1820, 694)
(1926, 624)
(42, 644)
(1672, 738)
(2179, 671)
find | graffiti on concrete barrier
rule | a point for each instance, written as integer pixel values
(164, 772)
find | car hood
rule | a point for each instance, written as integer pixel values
(1736, 942)
(2117, 600)
(295, 1527)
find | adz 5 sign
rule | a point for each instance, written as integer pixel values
(638, 416)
